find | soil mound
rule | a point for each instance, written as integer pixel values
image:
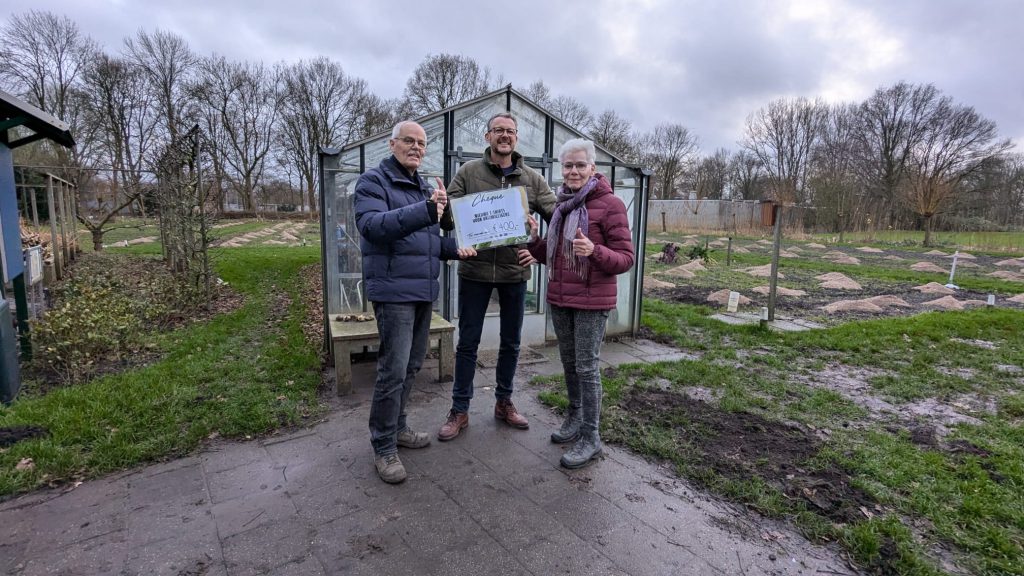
(1008, 275)
(846, 260)
(946, 303)
(654, 284)
(887, 300)
(722, 297)
(761, 271)
(926, 267)
(933, 288)
(679, 272)
(838, 281)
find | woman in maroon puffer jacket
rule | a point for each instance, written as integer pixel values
(588, 243)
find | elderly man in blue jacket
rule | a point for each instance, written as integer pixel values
(397, 214)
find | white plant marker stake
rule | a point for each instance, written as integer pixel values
(952, 271)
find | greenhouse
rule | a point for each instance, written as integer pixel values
(455, 136)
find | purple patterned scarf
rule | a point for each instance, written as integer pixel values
(570, 214)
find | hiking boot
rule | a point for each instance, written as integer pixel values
(409, 439)
(390, 468)
(456, 422)
(570, 429)
(583, 451)
(506, 411)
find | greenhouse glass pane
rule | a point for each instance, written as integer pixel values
(471, 123)
(561, 136)
(376, 151)
(433, 162)
(343, 258)
(530, 122)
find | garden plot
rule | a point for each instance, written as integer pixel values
(834, 284)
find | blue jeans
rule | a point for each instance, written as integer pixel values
(404, 330)
(473, 299)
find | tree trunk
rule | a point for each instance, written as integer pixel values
(97, 239)
(927, 230)
(310, 188)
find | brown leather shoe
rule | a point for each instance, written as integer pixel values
(456, 422)
(505, 410)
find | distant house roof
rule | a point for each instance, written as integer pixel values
(16, 112)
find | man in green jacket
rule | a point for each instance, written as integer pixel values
(505, 269)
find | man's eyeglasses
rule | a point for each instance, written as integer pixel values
(503, 131)
(579, 166)
(411, 142)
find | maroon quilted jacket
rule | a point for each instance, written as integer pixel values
(613, 255)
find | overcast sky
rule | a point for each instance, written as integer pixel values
(706, 64)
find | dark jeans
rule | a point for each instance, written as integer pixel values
(473, 299)
(580, 334)
(404, 330)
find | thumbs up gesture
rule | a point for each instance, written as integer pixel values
(581, 245)
(440, 194)
(440, 197)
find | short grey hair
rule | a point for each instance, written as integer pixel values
(398, 128)
(502, 115)
(578, 145)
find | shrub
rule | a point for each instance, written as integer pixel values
(102, 310)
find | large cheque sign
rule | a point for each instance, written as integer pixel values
(492, 218)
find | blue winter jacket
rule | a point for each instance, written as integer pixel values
(401, 241)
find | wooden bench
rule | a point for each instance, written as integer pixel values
(348, 337)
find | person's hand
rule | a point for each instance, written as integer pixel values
(531, 223)
(581, 245)
(525, 258)
(466, 253)
(440, 193)
(439, 197)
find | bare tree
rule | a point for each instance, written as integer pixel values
(1006, 190)
(614, 133)
(245, 99)
(445, 80)
(371, 114)
(781, 136)
(891, 123)
(539, 93)
(122, 126)
(169, 66)
(41, 56)
(955, 142)
(711, 174)
(572, 112)
(323, 106)
(745, 177)
(833, 179)
(670, 151)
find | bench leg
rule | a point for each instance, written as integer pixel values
(342, 368)
(446, 356)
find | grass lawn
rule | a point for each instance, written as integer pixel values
(240, 374)
(1011, 242)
